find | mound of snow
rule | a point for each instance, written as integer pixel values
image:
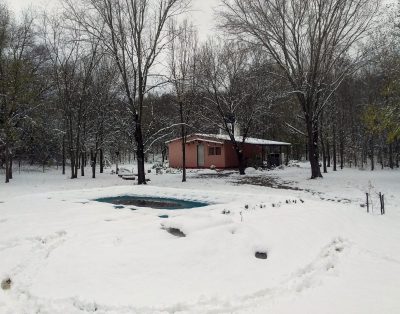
(190, 224)
(251, 170)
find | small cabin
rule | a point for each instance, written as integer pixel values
(216, 150)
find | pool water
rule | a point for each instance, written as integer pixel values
(153, 202)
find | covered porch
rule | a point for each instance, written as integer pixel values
(270, 156)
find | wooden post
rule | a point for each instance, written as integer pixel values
(367, 202)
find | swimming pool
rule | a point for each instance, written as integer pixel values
(152, 202)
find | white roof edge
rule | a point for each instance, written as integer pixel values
(249, 140)
(208, 141)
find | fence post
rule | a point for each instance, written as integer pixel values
(367, 203)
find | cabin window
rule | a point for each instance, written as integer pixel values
(214, 151)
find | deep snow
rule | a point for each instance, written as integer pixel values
(66, 253)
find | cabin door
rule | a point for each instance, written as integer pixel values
(200, 155)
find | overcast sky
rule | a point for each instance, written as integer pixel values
(201, 14)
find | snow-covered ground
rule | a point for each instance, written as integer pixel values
(66, 253)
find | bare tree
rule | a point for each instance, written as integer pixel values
(133, 33)
(182, 49)
(308, 40)
(73, 62)
(234, 91)
(103, 111)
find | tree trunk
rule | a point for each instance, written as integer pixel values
(313, 155)
(334, 148)
(77, 161)
(323, 144)
(140, 152)
(355, 156)
(10, 166)
(7, 161)
(372, 153)
(242, 166)
(328, 150)
(82, 164)
(101, 161)
(381, 156)
(93, 163)
(323, 154)
(163, 154)
(183, 138)
(73, 176)
(341, 149)
(307, 152)
(78, 157)
(116, 162)
(63, 155)
(391, 164)
(72, 153)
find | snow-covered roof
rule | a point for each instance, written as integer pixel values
(223, 137)
(208, 140)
